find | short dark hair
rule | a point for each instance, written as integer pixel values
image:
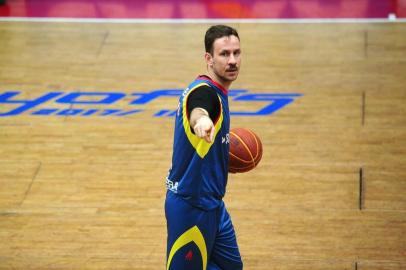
(215, 32)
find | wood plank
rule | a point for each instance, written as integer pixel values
(15, 182)
(97, 202)
(385, 189)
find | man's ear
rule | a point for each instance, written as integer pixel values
(209, 59)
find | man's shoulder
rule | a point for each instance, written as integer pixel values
(200, 86)
(203, 89)
(201, 81)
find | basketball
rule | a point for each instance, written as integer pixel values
(245, 150)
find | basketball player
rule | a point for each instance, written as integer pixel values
(200, 232)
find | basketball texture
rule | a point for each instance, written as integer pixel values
(245, 150)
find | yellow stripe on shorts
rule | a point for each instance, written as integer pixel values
(191, 235)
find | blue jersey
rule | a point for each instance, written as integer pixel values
(199, 169)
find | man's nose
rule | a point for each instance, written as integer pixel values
(232, 60)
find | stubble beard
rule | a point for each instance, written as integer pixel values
(224, 77)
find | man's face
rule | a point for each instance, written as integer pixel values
(226, 58)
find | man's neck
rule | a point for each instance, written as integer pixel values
(216, 83)
(225, 84)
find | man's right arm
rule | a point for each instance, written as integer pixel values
(204, 107)
(202, 124)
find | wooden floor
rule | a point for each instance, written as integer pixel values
(88, 192)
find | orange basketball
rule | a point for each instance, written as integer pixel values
(245, 150)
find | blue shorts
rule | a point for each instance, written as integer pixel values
(199, 239)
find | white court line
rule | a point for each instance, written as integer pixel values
(198, 21)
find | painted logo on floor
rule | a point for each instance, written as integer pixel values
(85, 104)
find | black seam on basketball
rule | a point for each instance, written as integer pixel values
(245, 167)
(260, 151)
(242, 169)
(246, 147)
(240, 159)
(256, 142)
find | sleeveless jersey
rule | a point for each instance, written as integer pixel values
(199, 169)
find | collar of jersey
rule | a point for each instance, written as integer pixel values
(207, 78)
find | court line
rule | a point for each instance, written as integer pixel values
(199, 21)
(30, 185)
(361, 189)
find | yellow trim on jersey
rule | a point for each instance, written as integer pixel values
(191, 235)
(201, 146)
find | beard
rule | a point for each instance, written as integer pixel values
(229, 75)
